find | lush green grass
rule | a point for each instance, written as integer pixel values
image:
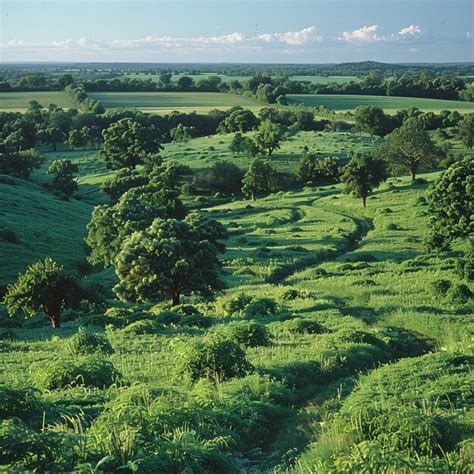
(172, 100)
(325, 79)
(349, 102)
(18, 101)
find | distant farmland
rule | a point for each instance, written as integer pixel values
(18, 101)
(188, 101)
(349, 102)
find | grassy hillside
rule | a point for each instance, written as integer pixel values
(18, 101)
(389, 104)
(44, 226)
(186, 101)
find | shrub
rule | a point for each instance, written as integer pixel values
(249, 334)
(392, 226)
(121, 317)
(260, 307)
(214, 358)
(91, 371)
(303, 326)
(465, 266)
(236, 304)
(143, 326)
(459, 294)
(293, 293)
(358, 337)
(23, 403)
(440, 287)
(9, 235)
(85, 342)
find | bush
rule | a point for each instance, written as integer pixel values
(459, 294)
(23, 403)
(303, 326)
(9, 235)
(215, 359)
(440, 287)
(91, 371)
(143, 326)
(392, 226)
(465, 266)
(248, 334)
(121, 317)
(357, 337)
(85, 342)
(293, 293)
(261, 307)
(236, 304)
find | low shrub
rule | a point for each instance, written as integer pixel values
(236, 304)
(303, 326)
(440, 287)
(293, 293)
(121, 317)
(261, 307)
(85, 342)
(356, 336)
(392, 226)
(465, 266)
(248, 334)
(214, 358)
(459, 294)
(91, 371)
(143, 326)
(22, 403)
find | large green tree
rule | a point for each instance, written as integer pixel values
(127, 143)
(260, 178)
(373, 120)
(410, 147)
(466, 130)
(451, 204)
(363, 174)
(63, 177)
(43, 287)
(269, 137)
(168, 259)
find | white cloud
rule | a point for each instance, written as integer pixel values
(468, 34)
(410, 30)
(366, 34)
(293, 38)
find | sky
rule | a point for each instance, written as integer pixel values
(249, 31)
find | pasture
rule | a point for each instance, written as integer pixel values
(18, 101)
(389, 104)
(186, 101)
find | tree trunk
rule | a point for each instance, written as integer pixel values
(55, 320)
(364, 201)
(55, 147)
(176, 298)
(413, 171)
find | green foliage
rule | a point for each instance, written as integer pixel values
(260, 307)
(459, 294)
(260, 179)
(302, 326)
(85, 342)
(268, 137)
(21, 163)
(451, 204)
(63, 182)
(43, 287)
(214, 358)
(373, 120)
(466, 130)
(318, 170)
(90, 371)
(22, 403)
(142, 326)
(248, 333)
(440, 287)
(363, 174)
(222, 177)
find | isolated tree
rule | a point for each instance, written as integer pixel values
(259, 179)
(127, 143)
(245, 145)
(373, 120)
(43, 287)
(165, 78)
(222, 177)
(451, 204)
(63, 180)
(135, 210)
(185, 83)
(363, 174)
(168, 259)
(466, 130)
(51, 136)
(79, 138)
(410, 147)
(268, 137)
(239, 120)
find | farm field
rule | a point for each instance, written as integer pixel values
(389, 104)
(154, 101)
(18, 101)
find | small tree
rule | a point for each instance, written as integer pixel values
(20, 164)
(43, 287)
(260, 178)
(373, 120)
(268, 137)
(363, 174)
(466, 130)
(318, 170)
(410, 147)
(127, 143)
(181, 133)
(170, 258)
(63, 181)
(451, 204)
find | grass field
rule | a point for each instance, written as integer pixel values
(349, 102)
(18, 101)
(154, 101)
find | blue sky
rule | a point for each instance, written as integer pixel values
(294, 31)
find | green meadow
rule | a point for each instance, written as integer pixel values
(18, 101)
(349, 102)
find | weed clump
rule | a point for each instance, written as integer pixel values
(459, 294)
(440, 287)
(248, 334)
(143, 326)
(303, 326)
(85, 342)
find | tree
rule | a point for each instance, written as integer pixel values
(373, 121)
(135, 211)
(121, 182)
(260, 178)
(222, 177)
(165, 79)
(466, 130)
(363, 174)
(79, 138)
(268, 137)
(239, 120)
(318, 170)
(168, 259)
(241, 144)
(20, 164)
(43, 287)
(185, 83)
(63, 181)
(181, 133)
(127, 143)
(51, 136)
(451, 204)
(410, 147)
